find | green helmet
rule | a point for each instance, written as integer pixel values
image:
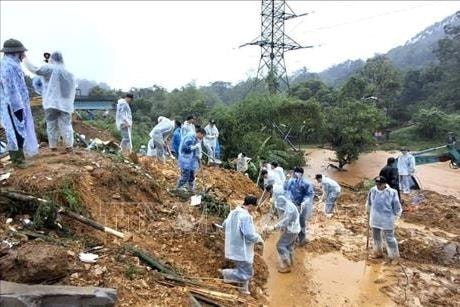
(13, 46)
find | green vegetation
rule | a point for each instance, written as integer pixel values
(133, 272)
(377, 97)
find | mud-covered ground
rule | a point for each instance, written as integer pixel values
(131, 198)
(334, 266)
(332, 270)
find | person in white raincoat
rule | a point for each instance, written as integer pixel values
(158, 135)
(278, 172)
(15, 112)
(331, 191)
(384, 211)
(240, 238)
(406, 168)
(210, 140)
(188, 126)
(289, 226)
(124, 123)
(58, 94)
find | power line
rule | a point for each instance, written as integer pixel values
(363, 19)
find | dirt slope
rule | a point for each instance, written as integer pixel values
(136, 199)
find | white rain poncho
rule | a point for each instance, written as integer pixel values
(60, 86)
(384, 208)
(240, 236)
(212, 134)
(242, 163)
(158, 134)
(289, 215)
(162, 129)
(272, 178)
(123, 116)
(406, 164)
(278, 174)
(329, 186)
(15, 96)
(187, 128)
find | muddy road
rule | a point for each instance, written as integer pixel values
(333, 269)
(438, 177)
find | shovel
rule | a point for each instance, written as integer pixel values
(212, 160)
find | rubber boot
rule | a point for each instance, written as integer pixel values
(284, 267)
(245, 288)
(18, 159)
(291, 259)
(14, 156)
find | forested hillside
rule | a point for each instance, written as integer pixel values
(378, 96)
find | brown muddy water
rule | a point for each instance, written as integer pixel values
(322, 278)
(438, 177)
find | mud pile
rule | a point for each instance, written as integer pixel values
(225, 184)
(428, 235)
(90, 132)
(434, 210)
(132, 199)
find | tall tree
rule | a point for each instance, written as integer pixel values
(384, 80)
(350, 128)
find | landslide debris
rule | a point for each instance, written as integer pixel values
(130, 198)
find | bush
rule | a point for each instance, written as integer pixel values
(431, 123)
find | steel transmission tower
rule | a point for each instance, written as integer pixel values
(274, 42)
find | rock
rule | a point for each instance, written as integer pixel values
(13, 294)
(99, 270)
(449, 251)
(31, 264)
(75, 275)
(89, 168)
(380, 280)
(71, 253)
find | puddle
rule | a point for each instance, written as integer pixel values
(324, 280)
(291, 289)
(338, 281)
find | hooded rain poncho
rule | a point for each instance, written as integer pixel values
(289, 215)
(384, 208)
(14, 97)
(240, 236)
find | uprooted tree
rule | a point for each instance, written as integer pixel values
(350, 129)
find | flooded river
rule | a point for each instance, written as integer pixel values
(438, 177)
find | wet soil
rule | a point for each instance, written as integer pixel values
(138, 200)
(438, 177)
(334, 268)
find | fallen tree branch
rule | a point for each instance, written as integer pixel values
(26, 198)
(153, 263)
(91, 222)
(205, 299)
(169, 274)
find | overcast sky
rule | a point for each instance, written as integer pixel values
(171, 43)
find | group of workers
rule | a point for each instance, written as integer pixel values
(181, 141)
(53, 82)
(292, 201)
(293, 204)
(292, 198)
